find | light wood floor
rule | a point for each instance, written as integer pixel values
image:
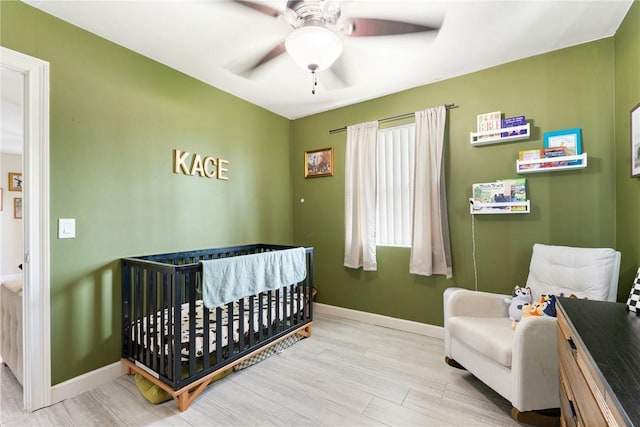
(347, 374)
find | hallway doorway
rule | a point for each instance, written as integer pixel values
(35, 216)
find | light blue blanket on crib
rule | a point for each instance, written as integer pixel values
(227, 279)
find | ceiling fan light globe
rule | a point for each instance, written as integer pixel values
(314, 48)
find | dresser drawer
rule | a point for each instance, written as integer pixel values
(569, 415)
(582, 393)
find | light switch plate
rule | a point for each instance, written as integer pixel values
(66, 228)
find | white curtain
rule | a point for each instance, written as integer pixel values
(430, 246)
(360, 197)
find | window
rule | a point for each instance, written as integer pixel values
(394, 198)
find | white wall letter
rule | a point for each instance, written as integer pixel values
(179, 162)
(214, 167)
(197, 166)
(222, 170)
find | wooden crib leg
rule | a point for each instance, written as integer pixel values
(305, 332)
(185, 399)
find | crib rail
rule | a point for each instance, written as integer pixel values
(155, 289)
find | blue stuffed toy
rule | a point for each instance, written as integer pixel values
(519, 298)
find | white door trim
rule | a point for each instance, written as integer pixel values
(36, 273)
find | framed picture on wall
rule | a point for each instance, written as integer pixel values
(15, 181)
(569, 139)
(635, 141)
(318, 163)
(17, 207)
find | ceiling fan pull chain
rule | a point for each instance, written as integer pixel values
(314, 78)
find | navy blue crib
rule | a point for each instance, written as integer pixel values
(182, 356)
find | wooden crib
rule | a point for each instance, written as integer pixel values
(182, 357)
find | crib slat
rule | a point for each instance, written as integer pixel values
(269, 306)
(230, 321)
(242, 333)
(206, 336)
(191, 292)
(251, 321)
(278, 311)
(138, 314)
(260, 309)
(219, 335)
(151, 320)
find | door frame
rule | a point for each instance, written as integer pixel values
(36, 297)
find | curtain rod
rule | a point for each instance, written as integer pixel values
(390, 119)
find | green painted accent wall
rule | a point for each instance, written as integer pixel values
(564, 89)
(116, 116)
(627, 78)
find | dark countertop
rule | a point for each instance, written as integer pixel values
(611, 335)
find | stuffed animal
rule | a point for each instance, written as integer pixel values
(519, 298)
(545, 306)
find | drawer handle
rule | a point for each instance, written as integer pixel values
(572, 345)
(574, 414)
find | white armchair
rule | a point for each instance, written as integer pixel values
(522, 364)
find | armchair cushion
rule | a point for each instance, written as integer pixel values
(492, 337)
(585, 272)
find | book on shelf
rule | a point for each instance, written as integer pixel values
(530, 155)
(487, 122)
(510, 122)
(503, 191)
(518, 192)
(552, 152)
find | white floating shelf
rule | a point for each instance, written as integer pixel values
(478, 208)
(476, 138)
(536, 165)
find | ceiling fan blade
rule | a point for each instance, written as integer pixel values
(246, 66)
(278, 50)
(260, 8)
(368, 27)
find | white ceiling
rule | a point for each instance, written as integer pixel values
(207, 39)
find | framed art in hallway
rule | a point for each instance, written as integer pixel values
(15, 181)
(318, 163)
(635, 141)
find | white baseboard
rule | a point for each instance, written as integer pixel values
(86, 382)
(380, 320)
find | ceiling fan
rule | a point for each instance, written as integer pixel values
(315, 41)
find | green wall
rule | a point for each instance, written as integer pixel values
(564, 89)
(116, 116)
(627, 78)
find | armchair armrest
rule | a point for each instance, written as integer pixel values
(534, 364)
(476, 304)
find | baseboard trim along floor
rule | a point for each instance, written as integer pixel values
(86, 382)
(380, 320)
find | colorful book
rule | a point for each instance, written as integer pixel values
(492, 192)
(530, 155)
(510, 122)
(487, 122)
(552, 152)
(518, 192)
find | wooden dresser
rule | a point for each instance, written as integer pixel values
(599, 358)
